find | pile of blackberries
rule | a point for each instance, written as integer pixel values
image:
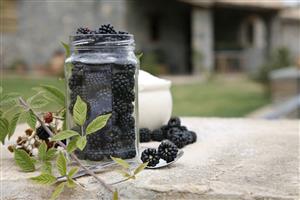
(106, 88)
(173, 131)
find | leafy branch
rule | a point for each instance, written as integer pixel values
(72, 155)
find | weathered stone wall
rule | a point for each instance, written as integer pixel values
(43, 24)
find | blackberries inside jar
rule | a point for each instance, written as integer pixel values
(102, 69)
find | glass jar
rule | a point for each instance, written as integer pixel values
(103, 70)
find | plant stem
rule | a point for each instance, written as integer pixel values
(73, 156)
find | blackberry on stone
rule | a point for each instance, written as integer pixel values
(151, 156)
(42, 133)
(174, 122)
(171, 131)
(157, 135)
(183, 128)
(167, 150)
(191, 137)
(165, 129)
(82, 30)
(179, 138)
(145, 135)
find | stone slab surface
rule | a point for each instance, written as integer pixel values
(233, 159)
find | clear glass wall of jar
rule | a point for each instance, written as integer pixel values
(103, 70)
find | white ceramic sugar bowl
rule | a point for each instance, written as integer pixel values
(155, 101)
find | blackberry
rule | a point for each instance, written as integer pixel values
(126, 121)
(93, 155)
(42, 133)
(165, 129)
(151, 156)
(192, 137)
(179, 138)
(167, 150)
(83, 30)
(171, 131)
(157, 135)
(121, 106)
(106, 29)
(145, 135)
(122, 83)
(128, 136)
(183, 128)
(174, 122)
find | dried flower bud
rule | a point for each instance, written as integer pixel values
(48, 117)
(29, 132)
(11, 148)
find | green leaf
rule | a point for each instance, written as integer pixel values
(38, 103)
(140, 168)
(46, 179)
(64, 135)
(139, 56)
(4, 126)
(67, 49)
(81, 142)
(23, 160)
(79, 111)
(58, 190)
(61, 164)
(30, 119)
(115, 195)
(97, 124)
(121, 162)
(51, 153)
(1, 90)
(72, 146)
(73, 171)
(9, 99)
(57, 94)
(42, 151)
(1, 113)
(71, 183)
(47, 167)
(124, 174)
(13, 124)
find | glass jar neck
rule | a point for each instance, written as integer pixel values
(102, 42)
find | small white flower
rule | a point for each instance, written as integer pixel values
(35, 151)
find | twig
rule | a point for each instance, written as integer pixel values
(73, 156)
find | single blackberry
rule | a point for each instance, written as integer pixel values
(127, 97)
(171, 131)
(122, 83)
(167, 150)
(121, 106)
(183, 128)
(145, 135)
(106, 29)
(192, 136)
(83, 30)
(126, 121)
(128, 136)
(165, 129)
(42, 133)
(150, 155)
(179, 138)
(157, 135)
(93, 155)
(115, 134)
(174, 122)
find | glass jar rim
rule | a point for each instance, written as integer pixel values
(101, 40)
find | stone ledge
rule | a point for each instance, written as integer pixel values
(232, 159)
